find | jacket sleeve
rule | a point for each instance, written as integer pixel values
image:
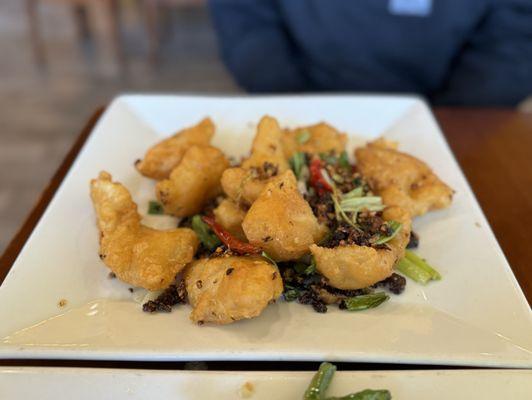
(256, 46)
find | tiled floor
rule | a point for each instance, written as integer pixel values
(41, 113)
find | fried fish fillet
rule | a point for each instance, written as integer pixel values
(281, 222)
(230, 216)
(193, 182)
(164, 156)
(314, 139)
(401, 179)
(138, 255)
(357, 267)
(223, 290)
(243, 184)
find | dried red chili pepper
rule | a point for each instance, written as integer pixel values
(317, 181)
(229, 240)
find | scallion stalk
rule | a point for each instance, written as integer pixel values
(413, 271)
(421, 263)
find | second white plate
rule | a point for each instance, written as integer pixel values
(102, 384)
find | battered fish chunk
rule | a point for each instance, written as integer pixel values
(356, 267)
(281, 222)
(163, 157)
(243, 184)
(227, 289)
(194, 181)
(313, 139)
(230, 216)
(401, 179)
(138, 255)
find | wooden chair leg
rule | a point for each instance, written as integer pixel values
(35, 37)
(151, 10)
(82, 22)
(115, 36)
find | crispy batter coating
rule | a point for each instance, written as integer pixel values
(226, 289)
(401, 179)
(322, 138)
(281, 222)
(194, 181)
(357, 267)
(164, 156)
(243, 184)
(138, 255)
(230, 216)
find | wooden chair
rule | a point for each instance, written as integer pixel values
(152, 11)
(108, 10)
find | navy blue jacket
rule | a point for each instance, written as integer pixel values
(453, 51)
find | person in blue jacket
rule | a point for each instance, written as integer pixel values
(470, 52)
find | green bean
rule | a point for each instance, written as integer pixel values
(320, 382)
(367, 394)
(366, 301)
(205, 235)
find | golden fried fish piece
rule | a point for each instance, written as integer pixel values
(401, 179)
(356, 267)
(193, 182)
(243, 184)
(230, 216)
(138, 255)
(313, 139)
(223, 290)
(164, 156)
(281, 222)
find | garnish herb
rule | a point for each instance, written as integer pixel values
(356, 192)
(303, 136)
(155, 208)
(304, 269)
(297, 162)
(290, 293)
(417, 269)
(205, 234)
(365, 301)
(395, 227)
(267, 257)
(343, 160)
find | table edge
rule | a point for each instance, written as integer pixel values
(18, 241)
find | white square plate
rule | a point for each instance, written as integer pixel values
(477, 315)
(102, 384)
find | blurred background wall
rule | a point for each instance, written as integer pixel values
(49, 90)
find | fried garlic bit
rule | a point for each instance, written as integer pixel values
(401, 179)
(163, 157)
(138, 255)
(313, 139)
(230, 216)
(243, 184)
(193, 182)
(281, 222)
(356, 267)
(227, 289)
